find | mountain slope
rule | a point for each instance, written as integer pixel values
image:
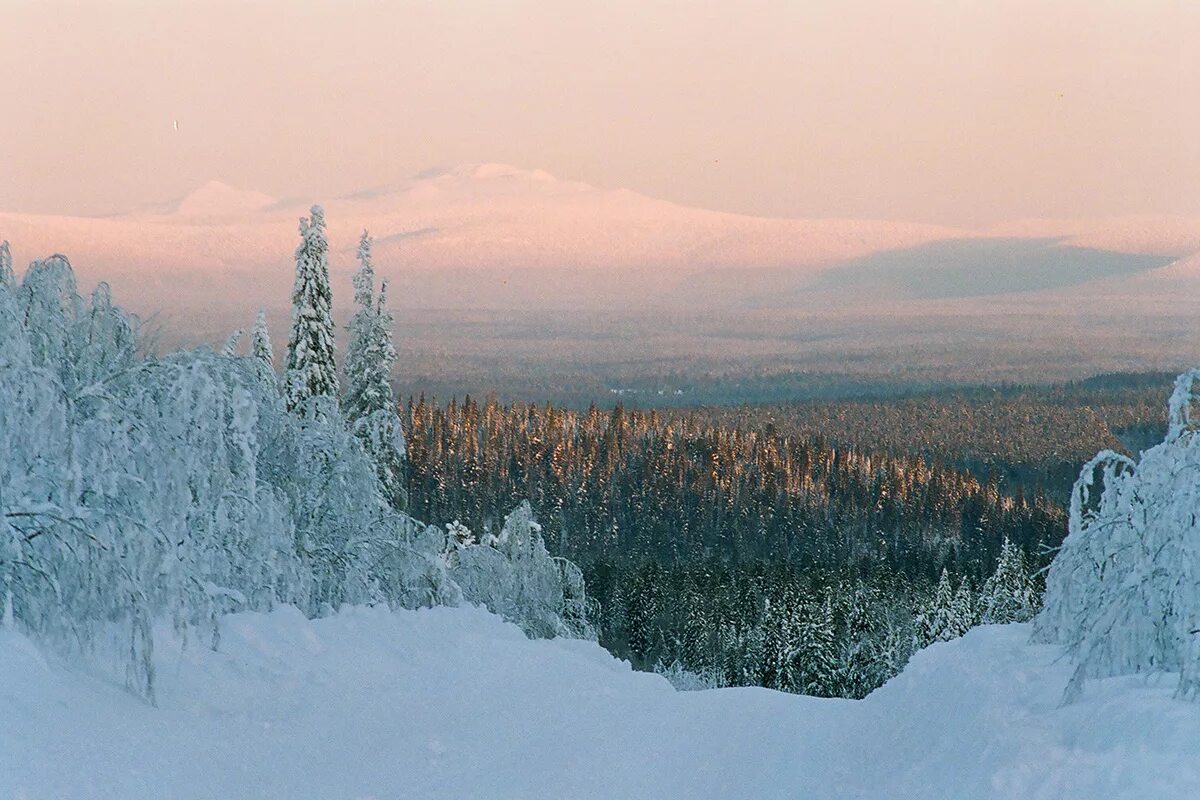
(478, 217)
(489, 264)
(482, 217)
(495, 236)
(454, 703)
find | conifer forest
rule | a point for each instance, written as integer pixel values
(739, 555)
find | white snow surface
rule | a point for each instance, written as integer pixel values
(454, 703)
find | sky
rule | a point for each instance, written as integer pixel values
(949, 112)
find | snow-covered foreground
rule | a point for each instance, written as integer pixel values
(454, 703)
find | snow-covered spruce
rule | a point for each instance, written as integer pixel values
(230, 347)
(139, 489)
(514, 576)
(261, 351)
(1009, 595)
(6, 265)
(310, 370)
(1123, 593)
(369, 405)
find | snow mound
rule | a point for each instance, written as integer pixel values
(452, 702)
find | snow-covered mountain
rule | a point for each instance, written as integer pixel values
(471, 251)
(452, 702)
(478, 217)
(1157, 235)
(492, 235)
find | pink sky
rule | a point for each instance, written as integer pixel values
(949, 112)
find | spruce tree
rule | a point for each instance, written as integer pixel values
(369, 405)
(311, 371)
(260, 345)
(962, 611)
(789, 672)
(861, 649)
(1009, 594)
(751, 656)
(370, 354)
(815, 650)
(231, 344)
(778, 642)
(7, 278)
(936, 621)
(696, 648)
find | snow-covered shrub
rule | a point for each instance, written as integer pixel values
(577, 610)
(458, 535)
(1123, 593)
(685, 680)
(135, 489)
(514, 576)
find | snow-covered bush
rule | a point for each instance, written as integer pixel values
(685, 680)
(458, 536)
(137, 489)
(514, 576)
(1123, 593)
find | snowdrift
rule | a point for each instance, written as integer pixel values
(455, 703)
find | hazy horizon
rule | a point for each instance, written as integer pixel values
(953, 114)
(791, 195)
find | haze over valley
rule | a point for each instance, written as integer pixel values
(516, 281)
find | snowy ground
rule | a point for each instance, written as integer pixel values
(453, 703)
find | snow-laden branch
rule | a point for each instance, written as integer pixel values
(1123, 592)
(134, 490)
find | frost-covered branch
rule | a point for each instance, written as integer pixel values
(1123, 593)
(134, 490)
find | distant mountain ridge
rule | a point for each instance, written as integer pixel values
(492, 235)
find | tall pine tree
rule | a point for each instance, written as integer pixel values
(311, 371)
(936, 621)
(370, 354)
(1009, 595)
(260, 347)
(7, 278)
(369, 405)
(231, 344)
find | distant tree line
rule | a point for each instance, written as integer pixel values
(1027, 438)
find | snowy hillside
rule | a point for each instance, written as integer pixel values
(497, 236)
(479, 216)
(455, 703)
